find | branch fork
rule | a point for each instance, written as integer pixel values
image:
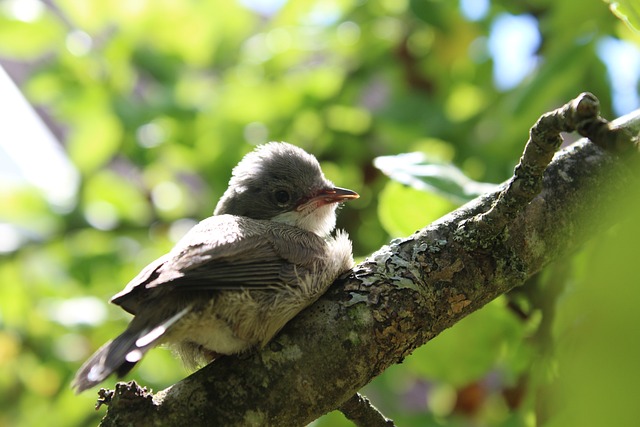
(581, 115)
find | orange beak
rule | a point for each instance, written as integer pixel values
(327, 196)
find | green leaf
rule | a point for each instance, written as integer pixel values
(403, 210)
(628, 11)
(418, 171)
(596, 329)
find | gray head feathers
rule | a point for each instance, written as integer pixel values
(272, 182)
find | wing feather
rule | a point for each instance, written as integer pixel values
(225, 252)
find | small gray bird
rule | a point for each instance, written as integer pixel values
(235, 279)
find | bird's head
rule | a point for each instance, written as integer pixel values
(281, 182)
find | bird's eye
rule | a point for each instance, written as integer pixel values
(282, 196)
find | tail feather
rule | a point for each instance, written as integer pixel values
(121, 354)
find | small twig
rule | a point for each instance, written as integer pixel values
(363, 414)
(582, 115)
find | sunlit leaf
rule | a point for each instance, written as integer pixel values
(418, 171)
(628, 11)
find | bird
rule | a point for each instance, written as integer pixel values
(237, 277)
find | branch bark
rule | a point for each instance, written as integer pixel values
(398, 299)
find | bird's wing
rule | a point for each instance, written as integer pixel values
(226, 252)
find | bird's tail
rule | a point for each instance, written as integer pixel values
(121, 354)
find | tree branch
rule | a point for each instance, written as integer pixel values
(398, 299)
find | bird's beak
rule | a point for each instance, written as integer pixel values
(327, 196)
(336, 195)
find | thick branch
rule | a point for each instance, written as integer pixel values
(395, 301)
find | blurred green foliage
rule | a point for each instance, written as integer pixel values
(157, 100)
